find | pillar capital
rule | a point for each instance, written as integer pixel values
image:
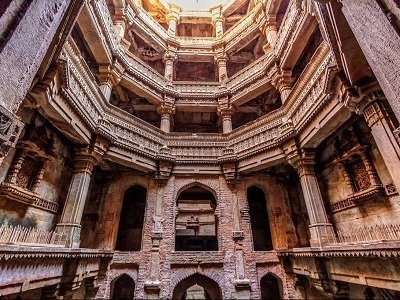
(170, 56)
(283, 82)
(108, 78)
(304, 161)
(87, 156)
(166, 109)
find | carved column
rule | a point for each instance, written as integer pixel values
(169, 59)
(271, 34)
(283, 83)
(379, 42)
(119, 20)
(166, 110)
(152, 284)
(107, 81)
(69, 227)
(225, 112)
(242, 283)
(172, 19)
(217, 21)
(226, 116)
(12, 175)
(321, 229)
(39, 176)
(222, 72)
(378, 120)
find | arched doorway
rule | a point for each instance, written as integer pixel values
(197, 286)
(270, 288)
(123, 288)
(259, 220)
(131, 220)
(196, 224)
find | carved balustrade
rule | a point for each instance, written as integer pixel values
(136, 136)
(287, 29)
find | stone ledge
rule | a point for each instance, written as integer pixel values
(13, 251)
(372, 249)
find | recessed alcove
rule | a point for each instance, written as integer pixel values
(196, 223)
(131, 220)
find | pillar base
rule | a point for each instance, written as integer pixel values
(243, 288)
(68, 235)
(322, 234)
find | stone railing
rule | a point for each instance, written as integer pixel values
(135, 135)
(381, 232)
(154, 84)
(289, 25)
(233, 36)
(149, 80)
(29, 236)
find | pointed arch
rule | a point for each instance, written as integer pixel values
(271, 287)
(123, 288)
(196, 224)
(211, 287)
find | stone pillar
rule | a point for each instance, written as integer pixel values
(271, 34)
(19, 159)
(166, 111)
(222, 72)
(152, 284)
(169, 59)
(226, 116)
(379, 42)
(321, 229)
(378, 120)
(242, 283)
(283, 83)
(107, 81)
(217, 20)
(172, 19)
(225, 112)
(70, 223)
(219, 27)
(69, 228)
(120, 21)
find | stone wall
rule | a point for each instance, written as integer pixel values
(349, 208)
(53, 186)
(221, 266)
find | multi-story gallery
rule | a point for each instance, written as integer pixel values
(199, 149)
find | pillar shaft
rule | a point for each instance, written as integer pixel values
(320, 228)
(219, 28)
(172, 24)
(222, 71)
(70, 223)
(166, 110)
(106, 89)
(169, 69)
(226, 122)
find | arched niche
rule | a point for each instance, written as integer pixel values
(185, 288)
(131, 219)
(123, 288)
(196, 224)
(270, 287)
(259, 220)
